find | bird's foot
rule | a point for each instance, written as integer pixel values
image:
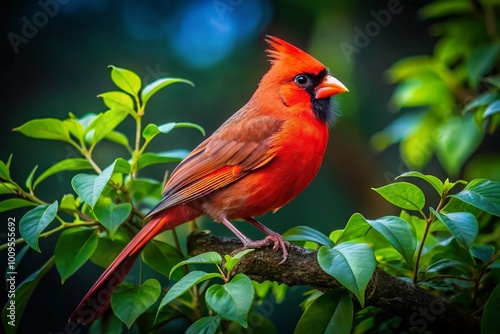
(274, 238)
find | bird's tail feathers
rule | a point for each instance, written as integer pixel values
(98, 299)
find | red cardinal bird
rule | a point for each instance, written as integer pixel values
(257, 161)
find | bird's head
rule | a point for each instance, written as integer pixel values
(301, 82)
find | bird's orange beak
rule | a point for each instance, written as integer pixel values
(328, 87)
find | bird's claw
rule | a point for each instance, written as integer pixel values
(274, 238)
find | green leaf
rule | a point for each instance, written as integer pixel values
(129, 301)
(481, 100)
(162, 257)
(89, 187)
(279, 291)
(356, 227)
(483, 194)
(418, 147)
(86, 120)
(117, 100)
(29, 179)
(151, 130)
(439, 265)
(410, 67)
(188, 281)
(421, 91)
(68, 202)
(107, 250)
(4, 171)
(122, 166)
(35, 221)
(119, 138)
(7, 188)
(205, 325)
(403, 194)
(166, 128)
(45, 128)
(482, 252)
(126, 80)
(458, 138)
(432, 180)
(111, 215)
(398, 233)
(155, 86)
(481, 61)
(205, 258)
(450, 185)
(397, 130)
(232, 301)
(74, 127)
(231, 261)
(351, 264)
(494, 80)
(9, 161)
(144, 189)
(492, 109)
(462, 225)
(14, 203)
(332, 312)
(306, 233)
(104, 124)
(64, 165)
(445, 8)
(23, 292)
(451, 49)
(149, 158)
(74, 247)
(490, 321)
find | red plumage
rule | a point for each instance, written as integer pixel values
(257, 161)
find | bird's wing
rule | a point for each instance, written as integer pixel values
(228, 155)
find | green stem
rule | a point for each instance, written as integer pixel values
(196, 303)
(28, 195)
(428, 222)
(138, 132)
(223, 276)
(88, 156)
(420, 249)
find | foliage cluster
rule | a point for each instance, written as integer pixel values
(450, 99)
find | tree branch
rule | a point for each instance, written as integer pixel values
(416, 307)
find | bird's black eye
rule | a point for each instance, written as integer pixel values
(302, 80)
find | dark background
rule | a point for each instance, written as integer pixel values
(61, 66)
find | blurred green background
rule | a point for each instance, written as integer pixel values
(54, 61)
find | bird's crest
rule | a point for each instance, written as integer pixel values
(282, 53)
